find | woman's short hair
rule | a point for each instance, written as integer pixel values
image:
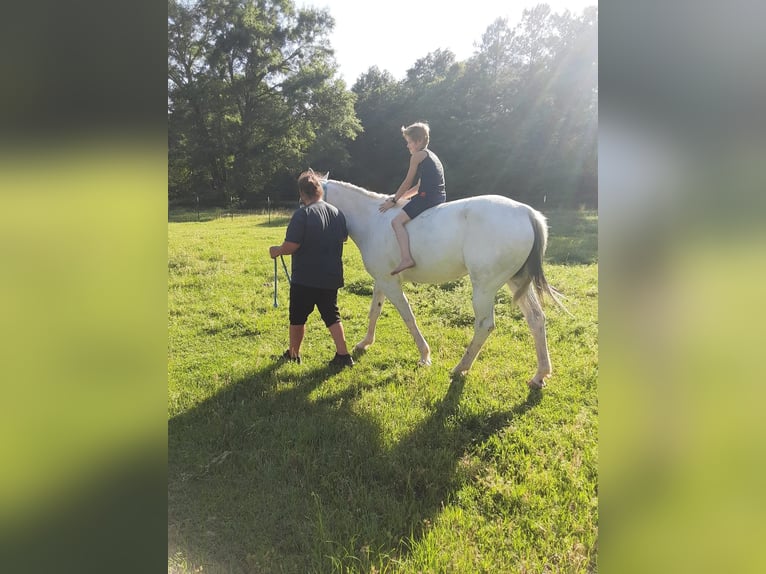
(309, 184)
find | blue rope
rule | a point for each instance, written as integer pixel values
(275, 283)
(284, 266)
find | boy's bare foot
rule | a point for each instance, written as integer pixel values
(402, 266)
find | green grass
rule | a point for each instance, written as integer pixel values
(385, 467)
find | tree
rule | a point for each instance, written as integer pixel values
(533, 107)
(433, 68)
(377, 153)
(251, 95)
(253, 99)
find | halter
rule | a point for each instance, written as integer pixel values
(324, 189)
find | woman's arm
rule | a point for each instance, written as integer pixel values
(287, 248)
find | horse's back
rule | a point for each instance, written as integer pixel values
(482, 234)
(490, 218)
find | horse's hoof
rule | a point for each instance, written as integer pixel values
(535, 384)
(424, 363)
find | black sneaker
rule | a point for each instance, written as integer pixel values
(342, 361)
(286, 357)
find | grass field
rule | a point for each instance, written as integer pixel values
(385, 467)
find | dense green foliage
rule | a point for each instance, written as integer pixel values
(386, 467)
(254, 99)
(251, 96)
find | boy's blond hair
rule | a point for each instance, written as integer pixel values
(418, 132)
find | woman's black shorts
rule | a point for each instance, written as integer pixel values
(302, 302)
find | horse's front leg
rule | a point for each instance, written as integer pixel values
(375, 307)
(395, 294)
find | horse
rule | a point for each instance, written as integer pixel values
(493, 239)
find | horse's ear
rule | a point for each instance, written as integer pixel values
(320, 176)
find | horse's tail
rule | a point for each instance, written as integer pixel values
(532, 270)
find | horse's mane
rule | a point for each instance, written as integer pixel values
(361, 190)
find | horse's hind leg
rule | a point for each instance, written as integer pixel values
(533, 313)
(484, 324)
(375, 307)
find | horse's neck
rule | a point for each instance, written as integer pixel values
(357, 206)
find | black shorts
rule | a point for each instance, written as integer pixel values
(418, 204)
(302, 302)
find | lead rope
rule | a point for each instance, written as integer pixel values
(275, 283)
(284, 266)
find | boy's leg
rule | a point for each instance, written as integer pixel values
(403, 238)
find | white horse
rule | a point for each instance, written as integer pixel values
(493, 239)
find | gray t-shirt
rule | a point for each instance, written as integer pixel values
(321, 231)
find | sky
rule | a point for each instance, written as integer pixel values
(393, 34)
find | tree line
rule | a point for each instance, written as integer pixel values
(254, 98)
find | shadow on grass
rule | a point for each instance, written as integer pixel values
(265, 478)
